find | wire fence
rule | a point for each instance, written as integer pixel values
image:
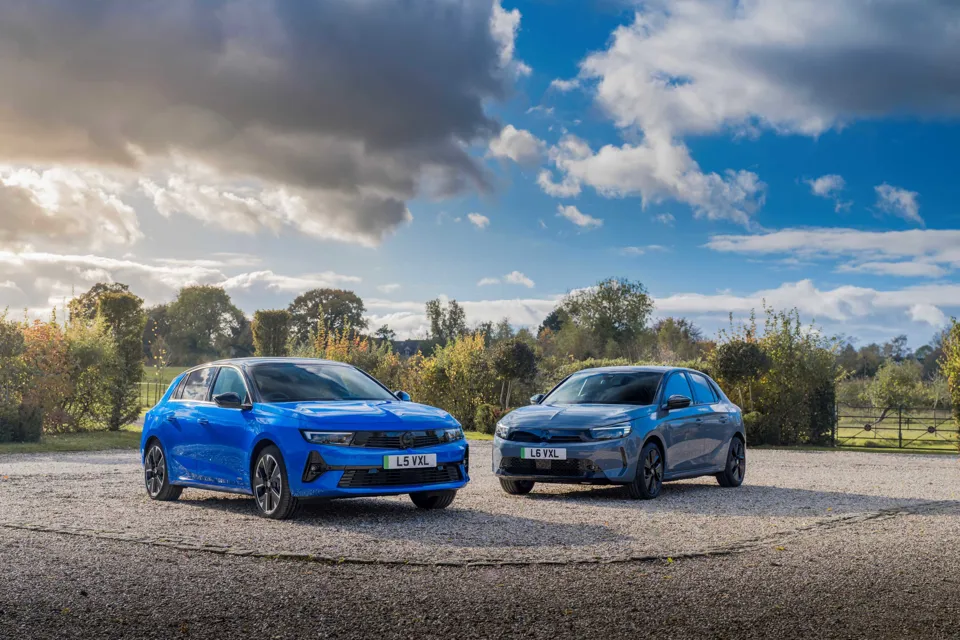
(896, 427)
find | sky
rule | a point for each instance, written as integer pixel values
(793, 153)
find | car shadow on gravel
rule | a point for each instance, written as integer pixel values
(747, 500)
(395, 520)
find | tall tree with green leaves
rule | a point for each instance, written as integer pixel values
(446, 324)
(271, 332)
(616, 311)
(950, 364)
(205, 324)
(123, 315)
(84, 307)
(513, 360)
(336, 309)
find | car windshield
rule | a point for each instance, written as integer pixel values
(304, 382)
(621, 387)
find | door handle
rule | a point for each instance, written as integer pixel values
(698, 420)
(203, 422)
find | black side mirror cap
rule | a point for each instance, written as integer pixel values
(678, 402)
(229, 400)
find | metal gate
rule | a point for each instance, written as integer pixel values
(896, 427)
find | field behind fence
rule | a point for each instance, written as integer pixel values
(900, 428)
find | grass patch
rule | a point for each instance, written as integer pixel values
(476, 435)
(859, 449)
(126, 438)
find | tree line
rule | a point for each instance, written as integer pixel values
(82, 371)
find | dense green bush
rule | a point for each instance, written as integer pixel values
(487, 417)
(753, 425)
(22, 424)
(271, 332)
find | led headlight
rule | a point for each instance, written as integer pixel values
(610, 433)
(328, 437)
(451, 435)
(502, 431)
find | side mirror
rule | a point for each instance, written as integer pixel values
(537, 398)
(403, 396)
(229, 400)
(678, 402)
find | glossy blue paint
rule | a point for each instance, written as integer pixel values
(213, 447)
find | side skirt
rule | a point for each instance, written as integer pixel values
(214, 487)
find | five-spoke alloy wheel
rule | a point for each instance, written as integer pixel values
(732, 475)
(649, 479)
(156, 475)
(270, 488)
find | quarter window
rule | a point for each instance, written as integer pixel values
(230, 380)
(197, 385)
(677, 386)
(702, 391)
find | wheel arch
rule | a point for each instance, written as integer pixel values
(146, 446)
(657, 440)
(259, 445)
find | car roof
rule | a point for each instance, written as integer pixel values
(243, 362)
(630, 368)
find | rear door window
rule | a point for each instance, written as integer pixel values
(197, 385)
(702, 391)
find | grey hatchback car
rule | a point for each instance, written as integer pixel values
(633, 426)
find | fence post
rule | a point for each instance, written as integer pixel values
(836, 421)
(900, 427)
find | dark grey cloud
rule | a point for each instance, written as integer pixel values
(341, 102)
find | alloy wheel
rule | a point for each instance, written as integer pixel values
(155, 471)
(268, 485)
(738, 460)
(653, 471)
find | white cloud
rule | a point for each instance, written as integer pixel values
(505, 25)
(923, 312)
(829, 186)
(518, 145)
(515, 277)
(639, 251)
(485, 282)
(291, 284)
(656, 169)
(563, 86)
(899, 202)
(665, 218)
(478, 220)
(388, 288)
(920, 252)
(66, 207)
(574, 215)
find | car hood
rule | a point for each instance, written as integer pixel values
(366, 415)
(572, 416)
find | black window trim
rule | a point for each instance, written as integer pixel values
(183, 384)
(216, 376)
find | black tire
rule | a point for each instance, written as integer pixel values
(649, 480)
(156, 474)
(517, 487)
(433, 499)
(271, 491)
(736, 468)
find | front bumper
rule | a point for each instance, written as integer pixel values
(599, 462)
(324, 471)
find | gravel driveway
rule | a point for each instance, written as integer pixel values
(875, 531)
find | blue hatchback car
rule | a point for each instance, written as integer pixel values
(633, 426)
(285, 430)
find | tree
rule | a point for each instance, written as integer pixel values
(84, 306)
(156, 332)
(271, 332)
(897, 349)
(950, 364)
(614, 311)
(502, 331)
(335, 309)
(513, 360)
(446, 324)
(870, 359)
(554, 321)
(385, 334)
(677, 339)
(896, 385)
(123, 315)
(204, 324)
(740, 362)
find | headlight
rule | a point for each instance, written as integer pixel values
(328, 437)
(451, 435)
(610, 433)
(502, 431)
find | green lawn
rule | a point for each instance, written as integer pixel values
(126, 438)
(928, 430)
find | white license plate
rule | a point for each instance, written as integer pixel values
(410, 461)
(543, 454)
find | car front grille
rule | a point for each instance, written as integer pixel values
(565, 468)
(547, 437)
(364, 478)
(397, 439)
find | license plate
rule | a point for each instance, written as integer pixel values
(543, 454)
(410, 461)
